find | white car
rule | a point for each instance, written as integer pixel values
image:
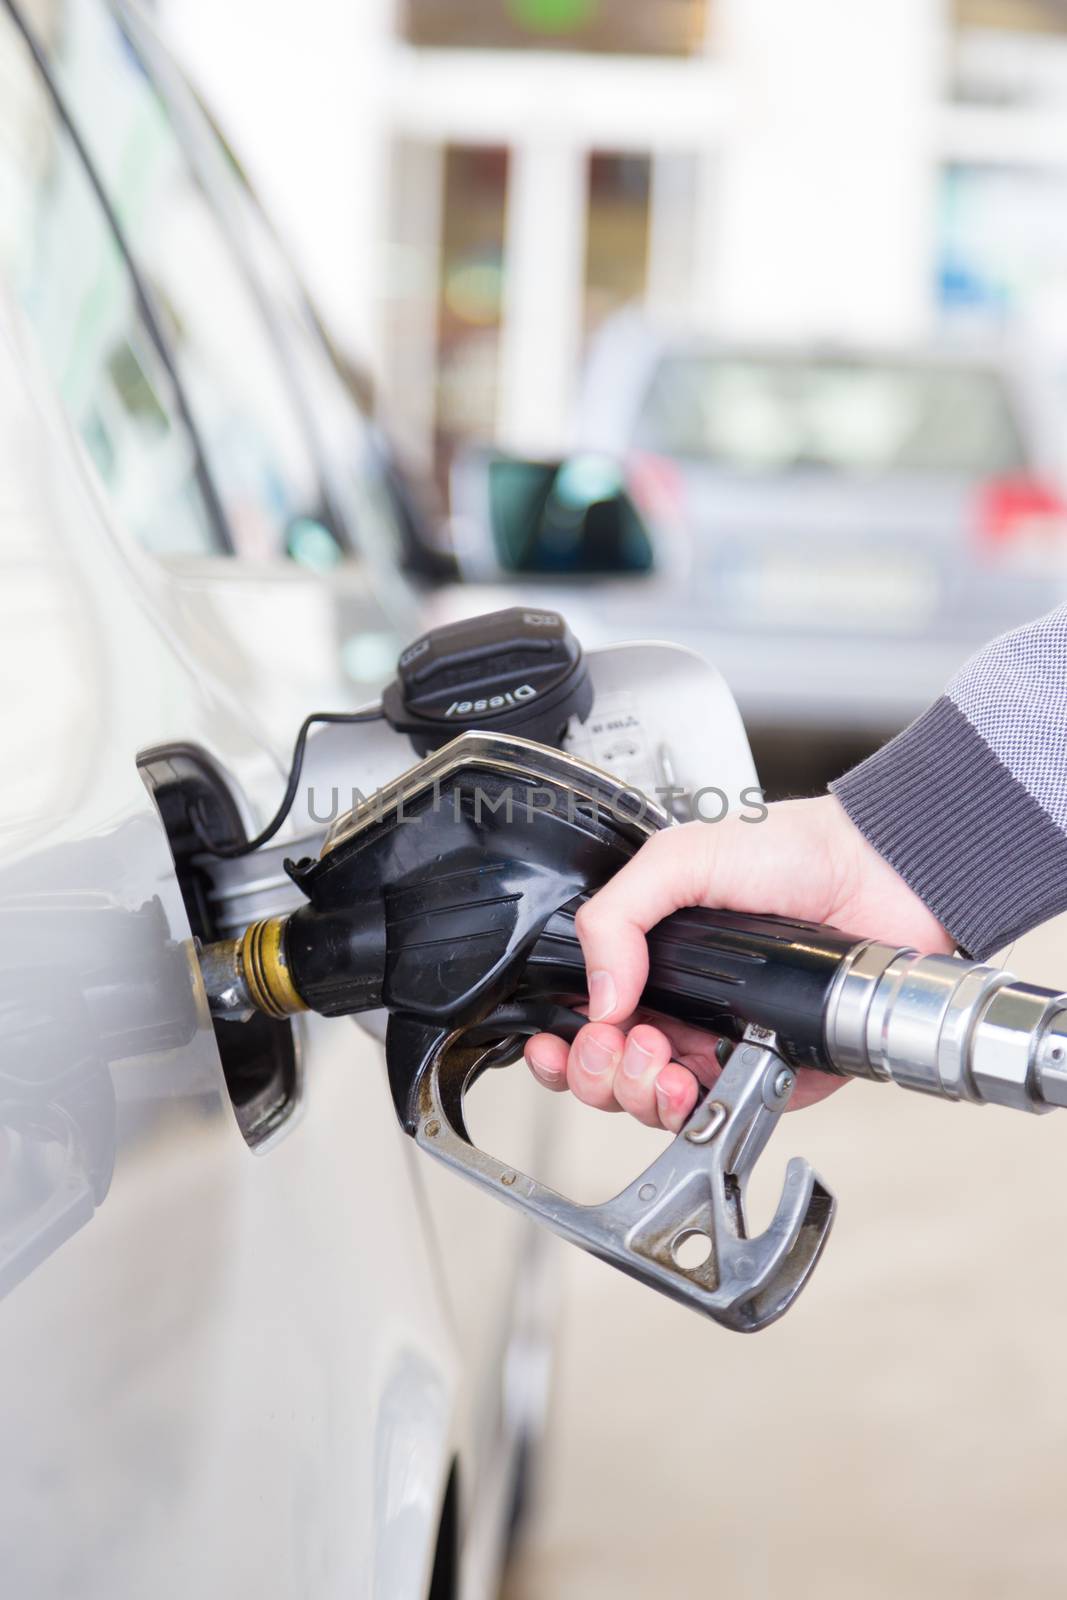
(250, 1344)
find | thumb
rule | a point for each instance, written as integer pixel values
(661, 878)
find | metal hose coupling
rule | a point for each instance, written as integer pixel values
(251, 974)
(947, 1027)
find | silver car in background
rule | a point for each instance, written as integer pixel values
(837, 528)
(854, 521)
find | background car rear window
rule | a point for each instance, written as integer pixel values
(256, 448)
(62, 263)
(776, 413)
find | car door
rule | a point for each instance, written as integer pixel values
(486, 1250)
(226, 1361)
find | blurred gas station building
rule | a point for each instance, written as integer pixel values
(472, 187)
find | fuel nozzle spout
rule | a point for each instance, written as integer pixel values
(331, 961)
(250, 974)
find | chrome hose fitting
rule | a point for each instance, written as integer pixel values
(947, 1027)
(221, 970)
(250, 974)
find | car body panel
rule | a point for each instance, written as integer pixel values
(226, 1368)
(231, 1368)
(228, 1375)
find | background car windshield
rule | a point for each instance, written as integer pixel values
(771, 414)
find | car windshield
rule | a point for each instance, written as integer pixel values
(353, 458)
(61, 261)
(252, 437)
(776, 413)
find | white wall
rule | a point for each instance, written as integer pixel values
(819, 206)
(301, 91)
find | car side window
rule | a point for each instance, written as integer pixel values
(62, 263)
(256, 447)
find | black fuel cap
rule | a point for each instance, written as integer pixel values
(517, 671)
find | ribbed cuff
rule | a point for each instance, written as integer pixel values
(962, 832)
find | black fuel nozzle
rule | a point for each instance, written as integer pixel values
(454, 893)
(450, 901)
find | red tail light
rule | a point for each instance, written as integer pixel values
(656, 486)
(1022, 511)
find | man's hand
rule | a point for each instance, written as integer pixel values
(806, 860)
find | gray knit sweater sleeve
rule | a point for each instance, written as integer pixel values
(969, 804)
